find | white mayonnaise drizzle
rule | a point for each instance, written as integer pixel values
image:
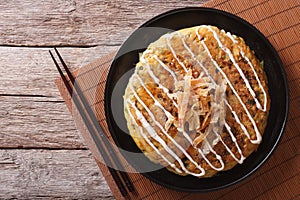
(166, 68)
(170, 119)
(175, 56)
(258, 135)
(234, 113)
(228, 52)
(150, 131)
(201, 151)
(155, 136)
(155, 79)
(252, 68)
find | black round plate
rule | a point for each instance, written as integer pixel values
(128, 55)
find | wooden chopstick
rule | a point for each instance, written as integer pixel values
(103, 144)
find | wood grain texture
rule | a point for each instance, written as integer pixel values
(37, 122)
(32, 113)
(42, 155)
(30, 71)
(77, 23)
(44, 174)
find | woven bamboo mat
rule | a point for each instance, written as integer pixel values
(279, 178)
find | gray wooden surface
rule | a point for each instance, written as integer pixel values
(42, 155)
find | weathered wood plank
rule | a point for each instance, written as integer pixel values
(37, 174)
(34, 122)
(77, 23)
(31, 71)
(32, 113)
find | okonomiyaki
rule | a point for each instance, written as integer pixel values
(198, 101)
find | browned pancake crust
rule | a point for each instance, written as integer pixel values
(166, 56)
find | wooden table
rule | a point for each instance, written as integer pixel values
(42, 155)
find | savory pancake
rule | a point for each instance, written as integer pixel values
(198, 101)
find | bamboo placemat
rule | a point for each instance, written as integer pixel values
(279, 177)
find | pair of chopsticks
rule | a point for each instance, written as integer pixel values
(104, 146)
